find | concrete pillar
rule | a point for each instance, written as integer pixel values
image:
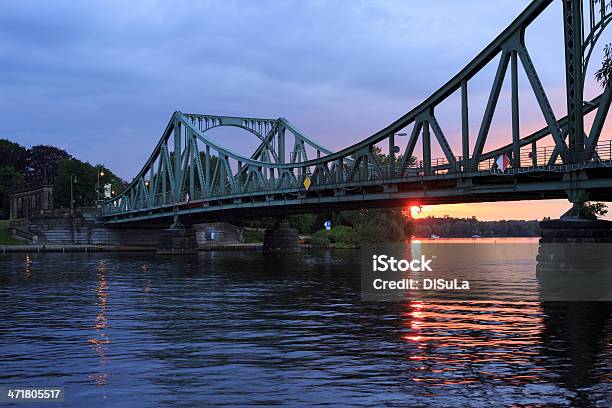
(574, 261)
(177, 240)
(283, 238)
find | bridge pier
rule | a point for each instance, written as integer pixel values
(574, 261)
(282, 238)
(177, 240)
(575, 230)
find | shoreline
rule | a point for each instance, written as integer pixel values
(28, 248)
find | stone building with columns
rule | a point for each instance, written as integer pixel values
(30, 200)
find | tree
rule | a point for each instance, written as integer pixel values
(588, 209)
(42, 163)
(13, 155)
(84, 186)
(304, 223)
(595, 209)
(604, 74)
(9, 180)
(83, 183)
(384, 159)
(382, 225)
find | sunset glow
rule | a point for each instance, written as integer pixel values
(415, 211)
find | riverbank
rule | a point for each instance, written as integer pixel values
(241, 246)
(5, 237)
(72, 248)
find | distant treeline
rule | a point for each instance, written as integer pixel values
(352, 228)
(21, 167)
(466, 227)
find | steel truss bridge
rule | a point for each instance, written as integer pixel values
(190, 175)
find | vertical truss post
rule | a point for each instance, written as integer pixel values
(222, 175)
(534, 154)
(178, 171)
(572, 24)
(490, 109)
(392, 155)
(543, 102)
(191, 160)
(207, 172)
(516, 148)
(239, 175)
(281, 143)
(164, 173)
(465, 126)
(151, 185)
(426, 149)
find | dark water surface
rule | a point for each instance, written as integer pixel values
(239, 328)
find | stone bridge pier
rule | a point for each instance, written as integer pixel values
(281, 238)
(177, 239)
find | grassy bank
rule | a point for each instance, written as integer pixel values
(5, 237)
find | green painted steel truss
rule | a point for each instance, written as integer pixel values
(188, 170)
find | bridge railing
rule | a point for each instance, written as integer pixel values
(538, 159)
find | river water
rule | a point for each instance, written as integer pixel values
(239, 328)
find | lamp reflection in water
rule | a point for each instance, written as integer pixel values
(28, 272)
(147, 284)
(101, 341)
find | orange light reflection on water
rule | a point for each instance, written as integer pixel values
(28, 262)
(101, 341)
(448, 339)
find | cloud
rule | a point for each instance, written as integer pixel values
(101, 79)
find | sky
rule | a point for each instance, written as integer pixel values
(101, 79)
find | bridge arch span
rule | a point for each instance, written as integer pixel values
(179, 178)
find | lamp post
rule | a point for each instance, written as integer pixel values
(100, 173)
(393, 150)
(72, 181)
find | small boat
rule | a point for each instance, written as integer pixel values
(434, 236)
(476, 236)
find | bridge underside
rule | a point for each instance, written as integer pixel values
(483, 186)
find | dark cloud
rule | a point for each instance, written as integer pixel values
(102, 78)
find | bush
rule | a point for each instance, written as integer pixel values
(341, 236)
(319, 239)
(251, 236)
(341, 233)
(303, 223)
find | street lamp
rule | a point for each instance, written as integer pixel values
(100, 173)
(72, 181)
(396, 148)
